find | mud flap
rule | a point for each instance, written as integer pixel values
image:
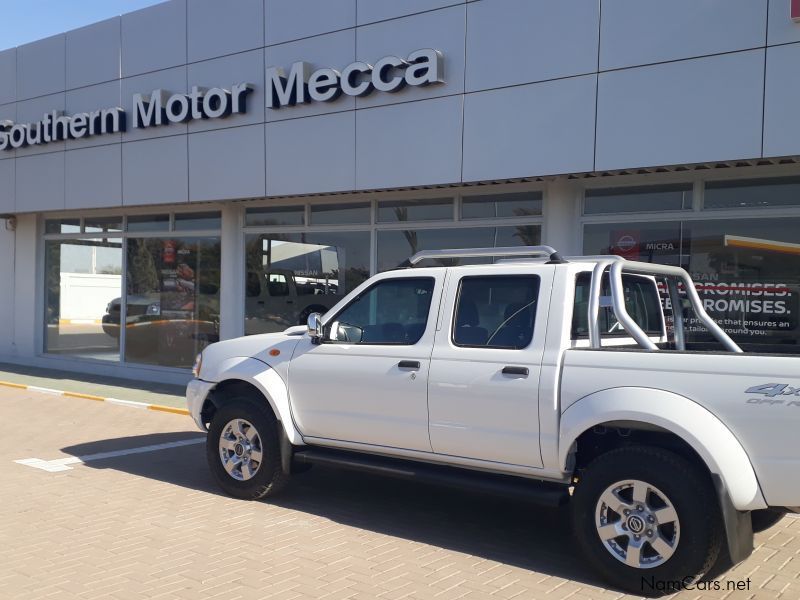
(287, 451)
(738, 525)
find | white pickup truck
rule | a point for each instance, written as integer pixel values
(558, 380)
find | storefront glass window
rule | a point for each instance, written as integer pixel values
(275, 215)
(289, 276)
(83, 280)
(756, 193)
(62, 226)
(172, 299)
(395, 247)
(638, 199)
(747, 272)
(139, 223)
(340, 214)
(102, 224)
(437, 209)
(492, 206)
(198, 221)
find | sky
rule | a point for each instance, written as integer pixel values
(29, 20)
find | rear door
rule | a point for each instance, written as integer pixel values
(484, 379)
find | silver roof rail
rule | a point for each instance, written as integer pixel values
(547, 251)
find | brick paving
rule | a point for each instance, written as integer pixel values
(153, 525)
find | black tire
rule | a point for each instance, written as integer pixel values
(269, 477)
(764, 519)
(690, 492)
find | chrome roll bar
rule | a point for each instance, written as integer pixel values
(547, 251)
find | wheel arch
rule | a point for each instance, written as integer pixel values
(667, 414)
(256, 378)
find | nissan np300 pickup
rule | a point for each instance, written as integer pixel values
(560, 380)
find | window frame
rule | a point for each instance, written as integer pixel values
(329, 323)
(532, 276)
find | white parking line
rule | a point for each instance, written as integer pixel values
(63, 464)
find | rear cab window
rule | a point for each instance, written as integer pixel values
(642, 301)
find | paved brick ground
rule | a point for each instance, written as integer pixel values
(153, 526)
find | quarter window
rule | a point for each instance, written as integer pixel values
(393, 311)
(496, 311)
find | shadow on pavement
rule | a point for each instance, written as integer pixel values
(514, 533)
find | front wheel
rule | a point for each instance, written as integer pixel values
(647, 520)
(243, 450)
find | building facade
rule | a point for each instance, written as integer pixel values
(200, 170)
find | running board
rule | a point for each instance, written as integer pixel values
(545, 493)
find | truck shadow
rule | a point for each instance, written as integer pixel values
(510, 532)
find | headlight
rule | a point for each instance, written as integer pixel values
(154, 309)
(198, 364)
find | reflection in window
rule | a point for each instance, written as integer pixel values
(756, 193)
(102, 224)
(172, 299)
(395, 247)
(290, 276)
(437, 209)
(62, 226)
(83, 280)
(275, 215)
(496, 311)
(198, 221)
(491, 206)
(390, 312)
(638, 199)
(148, 223)
(340, 214)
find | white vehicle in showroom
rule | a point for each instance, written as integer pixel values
(558, 380)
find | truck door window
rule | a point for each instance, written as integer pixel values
(393, 311)
(641, 299)
(496, 311)
(277, 285)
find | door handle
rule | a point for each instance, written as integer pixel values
(409, 364)
(509, 370)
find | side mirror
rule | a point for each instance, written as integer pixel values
(315, 327)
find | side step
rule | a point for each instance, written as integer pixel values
(545, 493)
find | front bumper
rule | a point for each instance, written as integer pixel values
(196, 393)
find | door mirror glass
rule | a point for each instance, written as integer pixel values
(315, 326)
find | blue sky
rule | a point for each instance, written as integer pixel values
(28, 20)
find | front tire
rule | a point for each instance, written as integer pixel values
(647, 520)
(243, 450)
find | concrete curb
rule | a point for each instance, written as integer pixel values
(117, 401)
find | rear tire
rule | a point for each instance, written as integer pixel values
(647, 520)
(243, 450)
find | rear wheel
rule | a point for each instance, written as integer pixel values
(243, 450)
(647, 520)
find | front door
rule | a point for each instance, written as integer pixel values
(366, 382)
(484, 379)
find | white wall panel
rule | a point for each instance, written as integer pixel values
(228, 163)
(294, 19)
(8, 76)
(93, 53)
(41, 67)
(154, 38)
(443, 30)
(782, 30)
(537, 41)
(155, 171)
(334, 50)
(40, 182)
(91, 98)
(782, 101)
(245, 67)
(639, 32)
(29, 111)
(93, 177)
(691, 111)
(217, 28)
(8, 112)
(370, 11)
(313, 155)
(536, 129)
(7, 186)
(417, 143)
(171, 80)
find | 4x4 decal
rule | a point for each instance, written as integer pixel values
(772, 393)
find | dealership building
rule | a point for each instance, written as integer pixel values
(201, 170)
